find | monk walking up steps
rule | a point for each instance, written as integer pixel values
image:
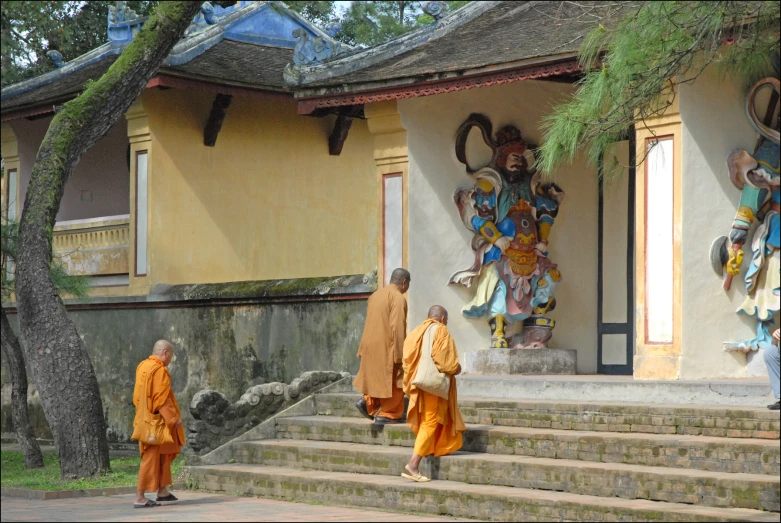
(430, 369)
(157, 425)
(380, 375)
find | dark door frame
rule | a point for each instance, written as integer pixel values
(627, 328)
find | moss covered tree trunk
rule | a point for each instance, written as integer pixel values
(58, 361)
(33, 459)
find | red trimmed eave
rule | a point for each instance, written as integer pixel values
(164, 80)
(309, 105)
(26, 113)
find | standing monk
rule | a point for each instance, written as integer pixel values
(436, 421)
(155, 471)
(380, 375)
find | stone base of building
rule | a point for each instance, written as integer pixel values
(520, 361)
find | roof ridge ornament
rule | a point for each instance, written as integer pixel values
(314, 51)
(434, 9)
(123, 23)
(55, 57)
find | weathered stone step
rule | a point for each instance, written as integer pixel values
(717, 489)
(609, 389)
(750, 456)
(488, 502)
(692, 420)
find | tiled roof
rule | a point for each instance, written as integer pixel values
(505, 33)
(258, 66)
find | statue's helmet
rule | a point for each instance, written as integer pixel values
(509, 141)
(486, 193)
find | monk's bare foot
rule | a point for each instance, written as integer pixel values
(141, 500)
(412, 472)
(163, 492)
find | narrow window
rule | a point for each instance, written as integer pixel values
(391, 224)
(659, 241)
(142, 204)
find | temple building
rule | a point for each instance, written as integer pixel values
(268, 179)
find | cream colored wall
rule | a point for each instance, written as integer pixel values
(439, 244)
(714, 123)
(266, 202)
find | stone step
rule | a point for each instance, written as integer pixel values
(487, 502)
(737, 392)
(717, 489)
(692, 420)
(750, 456)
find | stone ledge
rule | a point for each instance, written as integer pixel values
(520, 361)
(355, 286)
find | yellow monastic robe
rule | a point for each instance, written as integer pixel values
(382, 343)
(436, 422)
(155, 470)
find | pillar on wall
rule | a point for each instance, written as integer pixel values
(658, 247)
(392, 161)
(140, 142)
(10, 181)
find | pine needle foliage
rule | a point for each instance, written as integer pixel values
(68, 285)
(633, 62)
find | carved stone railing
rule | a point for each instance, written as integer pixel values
(95, 247)
(217, 420)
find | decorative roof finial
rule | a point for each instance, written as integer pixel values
(434, 9)
(123, 23)
(208, 13)
(55, 57)
(120, 12)
(314, 51)
(333, 28)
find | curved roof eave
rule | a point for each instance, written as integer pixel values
(300, 76)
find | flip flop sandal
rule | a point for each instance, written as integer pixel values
(417, 477)
(149, 503)
(169, 497)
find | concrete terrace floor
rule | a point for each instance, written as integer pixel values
(193, 506)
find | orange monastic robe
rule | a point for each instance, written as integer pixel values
(436, 422)
(379, 377)
(155, 471)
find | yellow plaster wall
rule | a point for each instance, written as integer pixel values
(439, 244)
(266, 202)
(654, 361)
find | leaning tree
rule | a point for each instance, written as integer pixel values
(60, 365)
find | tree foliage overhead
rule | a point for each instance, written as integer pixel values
(30, 29)
(632, 65)
(372, 23)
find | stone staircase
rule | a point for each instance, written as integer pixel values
(522, 460)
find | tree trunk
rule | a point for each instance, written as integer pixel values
(59, 363)
(33, 459)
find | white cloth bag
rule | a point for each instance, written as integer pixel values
(428, 378)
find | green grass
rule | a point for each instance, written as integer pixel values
(124, 473)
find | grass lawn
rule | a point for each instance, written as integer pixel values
(124, 473)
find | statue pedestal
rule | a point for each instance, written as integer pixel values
(520, 361)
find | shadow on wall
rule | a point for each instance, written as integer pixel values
(439, 244)
(226, 349)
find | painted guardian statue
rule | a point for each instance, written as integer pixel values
(510, 212)
(757, 177)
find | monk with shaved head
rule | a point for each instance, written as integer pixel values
(379, 376)
(436, 421)
(153, 392)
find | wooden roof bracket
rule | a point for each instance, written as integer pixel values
(339, 134)
(216, 117)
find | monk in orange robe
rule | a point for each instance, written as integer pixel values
(436, 421)
(380, 376)
(155, 471)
